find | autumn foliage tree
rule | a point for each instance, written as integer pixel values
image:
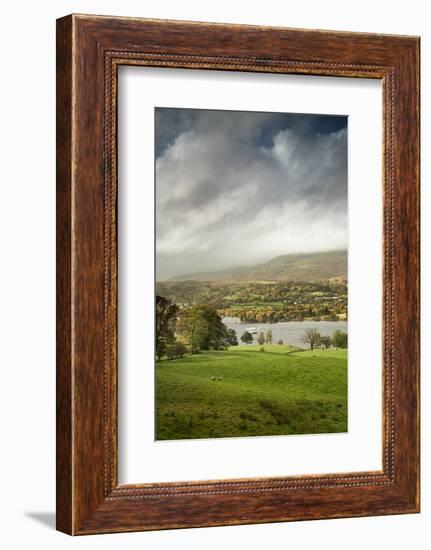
(261, 338)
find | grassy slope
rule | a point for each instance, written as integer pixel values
(280, 391)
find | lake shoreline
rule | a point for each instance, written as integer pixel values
(290, 332)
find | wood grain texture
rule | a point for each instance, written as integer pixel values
(64, 497)
(90, 49)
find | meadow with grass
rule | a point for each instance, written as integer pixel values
(252, 390)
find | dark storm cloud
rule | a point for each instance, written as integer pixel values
(239, 188)
(258, 128)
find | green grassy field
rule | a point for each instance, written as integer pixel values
(277, 392)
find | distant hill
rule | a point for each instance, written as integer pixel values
(289, 267)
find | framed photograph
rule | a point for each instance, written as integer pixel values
(237, 274)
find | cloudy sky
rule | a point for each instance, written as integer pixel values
(239, 188)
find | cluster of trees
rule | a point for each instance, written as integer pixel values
(275, 314)
(314, 339)
(311, 337)
(263, 302)
(191, 330)
(262, 337)
(202, 328)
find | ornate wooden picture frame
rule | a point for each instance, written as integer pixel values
(89, 51)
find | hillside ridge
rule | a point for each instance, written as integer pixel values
(294, 267)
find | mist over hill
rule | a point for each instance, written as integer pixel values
(288, 267)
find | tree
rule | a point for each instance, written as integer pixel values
(180, 349)
(312, 337)
(176, 350)
(261, 338)
(268, 337)
(326, 341)
(247, 338)
(339, 339)
(166, 314)
(201, 328)
(280, 342)
(216, 335)
(192, 329)
(231, 338)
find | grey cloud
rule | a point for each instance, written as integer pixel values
(239, 188)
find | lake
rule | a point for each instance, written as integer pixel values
(290, 332)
